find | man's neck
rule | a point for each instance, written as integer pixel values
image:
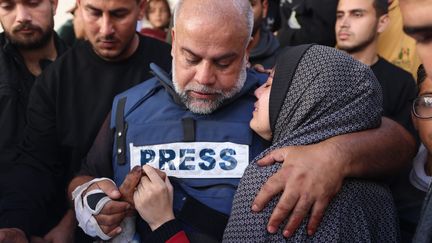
(33, 57)
(368, 55)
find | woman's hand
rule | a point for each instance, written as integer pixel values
(154, 198)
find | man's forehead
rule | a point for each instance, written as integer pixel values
(347, 5)
(109, 3)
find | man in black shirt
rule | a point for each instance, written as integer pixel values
(358, 24)
(67, 106)
(28, 44)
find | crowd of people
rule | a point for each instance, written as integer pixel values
(216, 121)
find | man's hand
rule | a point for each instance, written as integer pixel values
(12, 235)
(64, 231)
(309, 178)
(115, 211)
(129, 185)
(154, 198)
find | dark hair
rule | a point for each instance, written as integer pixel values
(381, 7)
(165, 2)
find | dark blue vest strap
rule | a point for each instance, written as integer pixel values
(188, 129)
(121, 132)
(203, 218)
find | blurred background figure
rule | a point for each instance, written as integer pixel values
(264, 46)
(158, 15)
(72, 29)
(359, 23)
(307, 21)
(396, 46)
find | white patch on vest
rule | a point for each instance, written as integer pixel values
(194, 160)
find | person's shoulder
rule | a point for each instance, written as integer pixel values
(150, 43)
(141, 89)
(393, 68)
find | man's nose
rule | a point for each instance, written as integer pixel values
(23, 14)
(107, 27)
(345, 22)
(205, 74)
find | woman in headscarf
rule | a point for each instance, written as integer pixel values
(329, 94)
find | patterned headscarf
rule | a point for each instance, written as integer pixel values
(330, 94)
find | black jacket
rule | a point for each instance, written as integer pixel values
(15, 84)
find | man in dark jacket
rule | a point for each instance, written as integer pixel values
(28, 44)
(264, 44)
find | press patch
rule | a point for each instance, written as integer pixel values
(194, 160)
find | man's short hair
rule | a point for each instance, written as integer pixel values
(381, 7)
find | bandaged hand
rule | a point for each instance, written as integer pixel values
(154, 198)
(101, 206)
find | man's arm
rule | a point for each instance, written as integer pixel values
(312, 175)
(97, 163)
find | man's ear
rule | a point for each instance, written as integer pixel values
(141, 6)
(249, 48)
(383, 22)
(265, 7)
(173, 41)
(54, 4)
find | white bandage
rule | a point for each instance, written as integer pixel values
(84, 213)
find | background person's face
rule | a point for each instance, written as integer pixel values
(28, 24)
(356, 25)
(260, 8)
(110, 26)
(158, 15)
(208, 62)
(260, 122)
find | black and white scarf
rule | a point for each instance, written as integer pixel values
(330, 94)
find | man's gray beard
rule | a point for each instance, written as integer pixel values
(206, 106)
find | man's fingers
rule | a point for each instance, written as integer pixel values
(112, 230)
(128, 186)
(107, 187)
(283, 208)
(317, 215)
(273, 157)
(272, 187)
(12, 235)
(298, 214)
(113, 207)
(111, 221)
